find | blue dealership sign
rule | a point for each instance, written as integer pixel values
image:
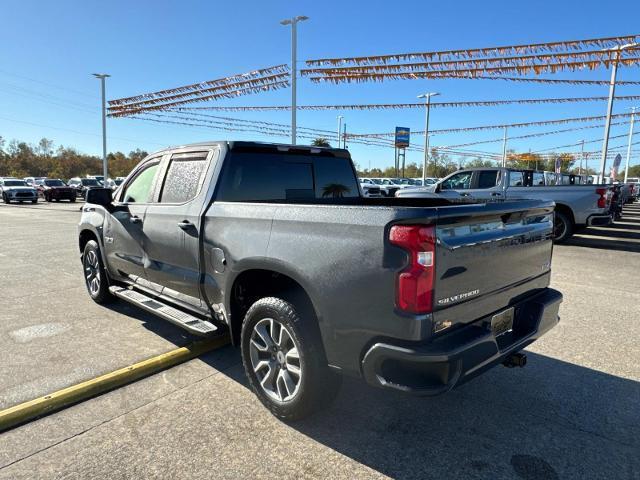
(402, 137)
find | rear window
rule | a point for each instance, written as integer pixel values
(184, 177)
(254, 177)
(487, 178)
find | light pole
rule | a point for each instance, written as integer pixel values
(612, 92)
(102, 77)
(340, 117)
(427, 103)
(504, 148)
(294, 68)
(626, 168)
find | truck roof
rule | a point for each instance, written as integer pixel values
(243, 144)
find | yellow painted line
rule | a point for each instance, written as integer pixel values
(66, 397)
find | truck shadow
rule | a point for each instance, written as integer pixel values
(176, 335)
(608, 238)
(550, 420)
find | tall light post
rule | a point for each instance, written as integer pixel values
(626, 168)
(102, 77)
(427, 103)
(612, 92)
(294, 68)
(340, 117)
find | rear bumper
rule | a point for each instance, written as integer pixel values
(599, 220)
(438, 366)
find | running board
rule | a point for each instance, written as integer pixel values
(182, 319)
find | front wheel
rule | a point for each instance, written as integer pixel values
(284, 361)
(5, 198)
(95, 277)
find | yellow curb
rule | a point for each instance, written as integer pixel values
(66, 397)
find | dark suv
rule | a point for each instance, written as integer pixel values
(81, 185)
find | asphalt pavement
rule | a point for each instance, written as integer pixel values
(572, 413)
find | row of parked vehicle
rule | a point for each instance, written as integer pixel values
(579, 203)
(387, 187)
(29, 189)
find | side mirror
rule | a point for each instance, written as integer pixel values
(99, 196)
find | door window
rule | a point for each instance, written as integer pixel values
(459, 181)
(140, 188)
(184, 177)
(487, 178)
(516, 179)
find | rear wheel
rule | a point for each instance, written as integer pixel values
(283, 360)
(95, 276)
(562, 226)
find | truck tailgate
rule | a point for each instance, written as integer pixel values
(489, 255)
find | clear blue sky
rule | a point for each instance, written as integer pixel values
(48, 51)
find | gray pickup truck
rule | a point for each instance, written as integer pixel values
(577, 206)
(274, 245)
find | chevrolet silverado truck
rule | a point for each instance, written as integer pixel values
(274, 246)
(577, 206)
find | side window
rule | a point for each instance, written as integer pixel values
(140, 188)
(266, 177)
(487, 178)
(334, 178)
(516, 179)
(459, 181)
(538, 179)
(184, 177)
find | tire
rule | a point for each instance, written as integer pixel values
(294, 380)
(47, 198)
(34, 201)
(95, 276)
(72, 199)
(5, 198)
(562, 227)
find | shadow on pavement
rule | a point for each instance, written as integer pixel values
(158, 326)
(549, 420)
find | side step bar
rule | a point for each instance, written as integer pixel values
(182, 319)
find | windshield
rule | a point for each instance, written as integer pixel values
(15, 183)
(90, 182)
(54, 183)
(377, 181)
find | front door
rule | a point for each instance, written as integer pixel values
(124, 237)
(172, 226)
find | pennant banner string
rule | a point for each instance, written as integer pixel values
(209, 83)
(604, 42)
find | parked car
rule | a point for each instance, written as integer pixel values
(33, 181)
(275, 245)
(81, 185)
(54, 189)
(15, 190)
(114, 183)
(577, 206)
(369, 189)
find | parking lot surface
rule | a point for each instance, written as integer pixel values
(573, 412)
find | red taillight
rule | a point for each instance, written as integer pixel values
(602, 199)
(414, 289)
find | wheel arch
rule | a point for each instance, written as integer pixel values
(258, 280)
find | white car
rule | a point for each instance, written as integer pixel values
(369, 188)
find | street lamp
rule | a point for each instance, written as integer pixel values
(612, 91)
(102, 77)
(427, 102)
(626, 168)
(294, 70)
(340, 117)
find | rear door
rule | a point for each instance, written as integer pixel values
(172, 225)
(124, 237)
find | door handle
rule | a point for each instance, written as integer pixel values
(135, 219)
(465, 194)
(186, 225)
(496, 194)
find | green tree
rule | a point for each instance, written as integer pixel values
(321, 142)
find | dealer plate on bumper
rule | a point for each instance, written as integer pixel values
(502, 322)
